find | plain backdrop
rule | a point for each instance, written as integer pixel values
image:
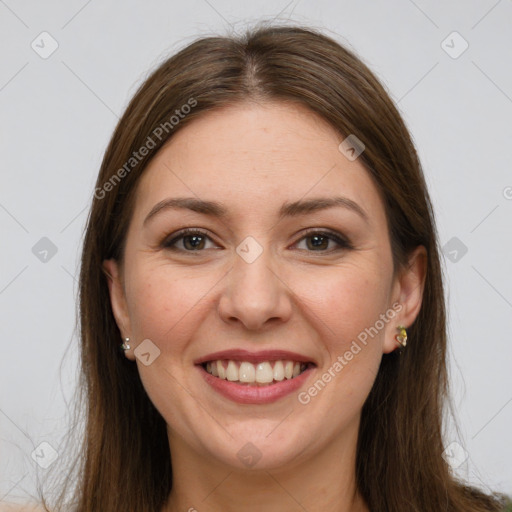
(67, 71)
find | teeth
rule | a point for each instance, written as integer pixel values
(262, 373)
(288, 369)
(232, 371)
(220, 369)
(278, 371)
(247, 373)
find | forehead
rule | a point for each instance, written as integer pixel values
(253, 158)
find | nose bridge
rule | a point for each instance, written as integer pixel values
(254, 293)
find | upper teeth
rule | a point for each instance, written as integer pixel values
(262, 373)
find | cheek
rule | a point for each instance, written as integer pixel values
(343, 305)
(347, 300)
(164, 303)
(349, 308)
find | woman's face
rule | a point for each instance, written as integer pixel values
(272, 276)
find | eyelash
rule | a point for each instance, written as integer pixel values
(341, 241)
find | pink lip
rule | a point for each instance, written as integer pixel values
(247, 394)
(255, 357)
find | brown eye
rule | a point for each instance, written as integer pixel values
(194, 242)
(318, 241)
(191, 240)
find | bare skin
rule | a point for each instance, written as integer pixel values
(309, 298)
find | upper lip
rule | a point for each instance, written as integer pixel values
(254, 357)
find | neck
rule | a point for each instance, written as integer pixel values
(325, 482)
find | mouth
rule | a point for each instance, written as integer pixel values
(264, 373)
(255, 378)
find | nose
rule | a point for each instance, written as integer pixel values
(255, 295)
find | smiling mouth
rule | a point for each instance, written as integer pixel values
(263, 373)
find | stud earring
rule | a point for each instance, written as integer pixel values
(401, 337)
(126, 345)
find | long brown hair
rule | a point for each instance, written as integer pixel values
(125, 462)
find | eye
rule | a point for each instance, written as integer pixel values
(320, 240)
(191, 239)
(195, 240)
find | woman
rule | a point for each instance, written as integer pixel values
(262, 243)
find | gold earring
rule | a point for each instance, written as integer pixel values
(125, 345)
(401, 337)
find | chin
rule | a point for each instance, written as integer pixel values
(259, 445)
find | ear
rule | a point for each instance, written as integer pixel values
(112, 270)
(407, 295)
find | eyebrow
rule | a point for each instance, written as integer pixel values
(293, 209)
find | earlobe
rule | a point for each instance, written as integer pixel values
(118, 304)
(409, 287)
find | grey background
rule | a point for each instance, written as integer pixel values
(57, 115)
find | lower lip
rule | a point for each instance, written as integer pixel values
(247, 394)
